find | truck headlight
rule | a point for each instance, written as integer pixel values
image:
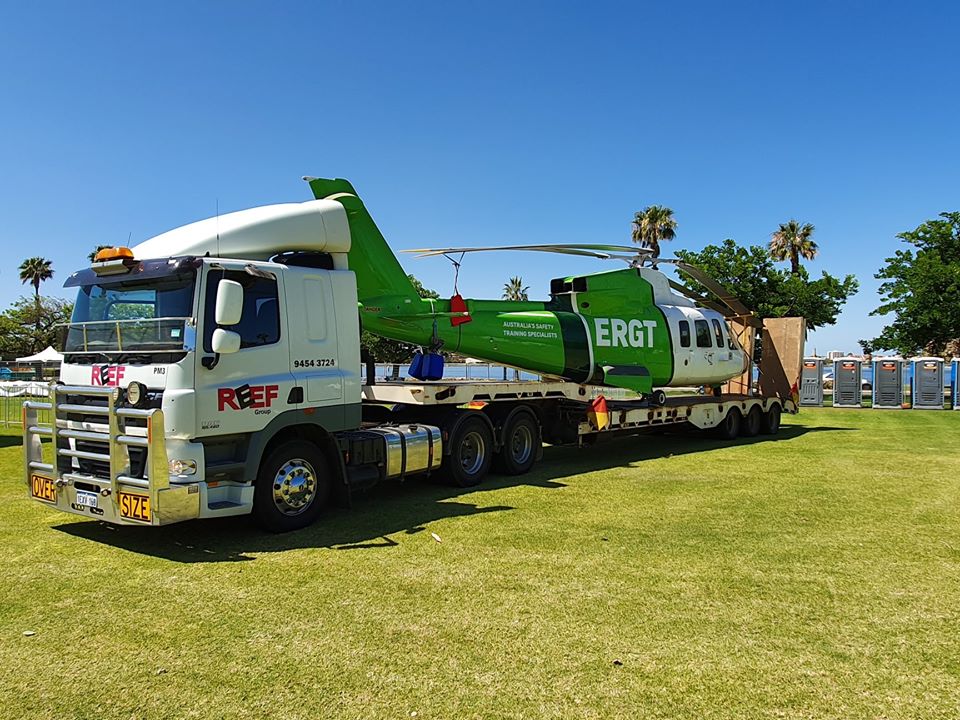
(136, 393)
(183, 467)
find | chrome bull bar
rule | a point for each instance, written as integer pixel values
(116, 437)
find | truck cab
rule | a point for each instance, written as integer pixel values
(182, 372)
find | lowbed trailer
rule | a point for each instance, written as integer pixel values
(562, 409)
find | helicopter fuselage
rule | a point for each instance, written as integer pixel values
(624, 328)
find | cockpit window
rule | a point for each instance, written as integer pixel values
(684, 333)
(717, 332)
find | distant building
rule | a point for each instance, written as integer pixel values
(834, 354)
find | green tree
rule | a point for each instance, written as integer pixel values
(393, 351)
(652, 225)
(515, 290)
(25, 330)
(93, 255)
(750, 274)
(791, 242)
(921, 288)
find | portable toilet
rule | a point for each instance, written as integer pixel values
(846, 382)
(811, 382)
(888, 382)
(955, 384)
(926, 387)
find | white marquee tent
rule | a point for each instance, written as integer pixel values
(45, 356)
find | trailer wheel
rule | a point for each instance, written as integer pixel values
(771, 421)
(729, 428)
(292, 487)
(751, 425)
(521, 438)
(471, 452)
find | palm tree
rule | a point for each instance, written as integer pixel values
(34, 271)
(515, 290)
(653, 224)
(791, 242)
(93, 256)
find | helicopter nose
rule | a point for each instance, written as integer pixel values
(745, 361)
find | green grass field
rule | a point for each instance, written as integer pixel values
(812, 576)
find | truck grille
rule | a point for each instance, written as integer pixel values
(101, 468)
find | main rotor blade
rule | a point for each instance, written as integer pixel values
(723, 295)
(603, 252)
(696, 297)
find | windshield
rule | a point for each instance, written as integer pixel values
(135, 316)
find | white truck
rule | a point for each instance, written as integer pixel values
(216, 370)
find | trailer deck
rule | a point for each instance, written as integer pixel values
(626, 412)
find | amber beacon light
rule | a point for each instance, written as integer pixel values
(114, 253)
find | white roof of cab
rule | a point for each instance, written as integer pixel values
(257, 234)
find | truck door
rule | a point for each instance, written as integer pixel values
(243, 391)
(315, 356)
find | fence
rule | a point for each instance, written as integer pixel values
(12, 395)
(459, 371)
(13, 370)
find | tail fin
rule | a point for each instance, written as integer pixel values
(377, 269)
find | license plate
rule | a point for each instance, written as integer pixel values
(134, 507)
(42, 488)
(88, 499)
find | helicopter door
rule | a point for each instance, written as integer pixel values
(683, 358)
(704, 357)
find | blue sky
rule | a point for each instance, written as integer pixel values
(484, 123)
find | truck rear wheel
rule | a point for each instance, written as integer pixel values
(293, 486)
(521, 438)
(729, 428)
(753, 421)
(771, 421)
(471, 452)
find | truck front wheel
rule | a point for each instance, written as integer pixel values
(293, 485)
(471, 451)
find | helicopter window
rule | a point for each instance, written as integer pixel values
(703, 333)
(717, 332)
(684, 333)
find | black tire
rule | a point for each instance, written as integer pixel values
(293, 486)
(471, 452)
(658, 398)
(752, 423)
(771, 421)
(729, 428)
(521, 440)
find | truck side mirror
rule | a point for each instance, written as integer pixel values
(225, 342)
(229, 302)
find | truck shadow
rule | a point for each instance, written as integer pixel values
(398, 509)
